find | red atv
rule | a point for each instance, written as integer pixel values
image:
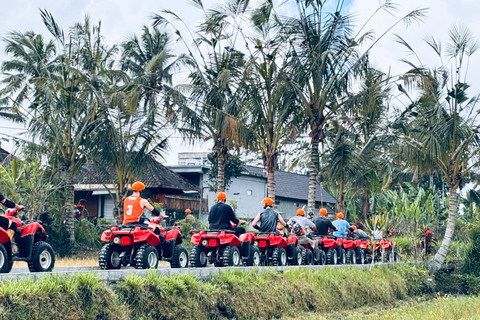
(313, 255)
(277, 250)
(141, 247)
(386, 251)
(350, 247)
(32, 248)
(333, 248)
(223, 248)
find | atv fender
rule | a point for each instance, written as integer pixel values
(245, 248)
(174, 234)
(277, 241)
(4, 238)
(290, 248)
(228, 238)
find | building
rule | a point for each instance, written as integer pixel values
(93, 190)
(246, 192)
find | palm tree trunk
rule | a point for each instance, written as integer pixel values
(340, 200)
(313, 170)
(221, 171)
(69, 214)
(439, 258)
(118, 212)
(365, 203)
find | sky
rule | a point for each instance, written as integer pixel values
(121, 18)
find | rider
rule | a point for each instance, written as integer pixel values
(341, 225)
(190, 218)
(134, 204)
(358, 233)
(298, 224)
(322, 223)
(221, 216)
(8, 225)
(268, 218)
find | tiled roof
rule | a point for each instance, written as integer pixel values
(293, 185)
(155, 176)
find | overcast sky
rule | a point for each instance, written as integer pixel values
(125, 17)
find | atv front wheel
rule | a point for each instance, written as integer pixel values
(198, 257)
(297, 257)
(231, 256)
(279, 257)
(351, 257)
(307, 257)
(43, 258)
(254, 259)
(331, 256)
(109, 257)
(5, 264)
(147, 257)
(180, 257)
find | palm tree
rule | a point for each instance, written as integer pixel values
(60, 82)
(440, 129)
(324, 59)
(268, 97)
(215, 78)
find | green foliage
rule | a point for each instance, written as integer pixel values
(88, 234)
(472, 259)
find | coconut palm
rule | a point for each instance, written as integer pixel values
(324, 59)
(60, 84)
(268, 97)
(439, 129)
(216, 74)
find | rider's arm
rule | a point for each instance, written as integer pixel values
(257, 217)
(145, 204)
(231, 216)
(9, 204)
(280, 219)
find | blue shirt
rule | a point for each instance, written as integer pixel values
(342, 227)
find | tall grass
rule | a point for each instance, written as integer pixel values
(231, 295)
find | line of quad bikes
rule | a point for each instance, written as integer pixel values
(143, 245)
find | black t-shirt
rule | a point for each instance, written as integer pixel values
(220, 216)
(323, 224)
(1, 197)
(268, 220)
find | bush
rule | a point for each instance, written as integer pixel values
(472, 259)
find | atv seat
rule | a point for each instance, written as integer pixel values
(218, 231)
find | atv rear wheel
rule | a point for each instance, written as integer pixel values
(331, 256)
(387, 256)
(147, 257)
(180, 257)
(43, 258)
(321, 257)
(361, 257)
(198, 257)
(396, 256)
(254, 259)
(307, 257)
(231, 256)
(5, 264)
(109, 257)
(351, 257)
(297, 257)
(341, 256)
(279, 257)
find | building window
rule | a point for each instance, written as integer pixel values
(249, 192)
(277, 202)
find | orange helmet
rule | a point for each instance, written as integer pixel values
(221, 195)
(188, 211)
(339, 215)
(138, 186)
(267, 201)
(323, 212)
(300, 212)
(354, 228)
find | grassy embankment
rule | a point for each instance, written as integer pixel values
(235, 295)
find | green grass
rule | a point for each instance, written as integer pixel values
(447, 307)
(230, 295)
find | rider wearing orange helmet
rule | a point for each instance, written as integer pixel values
(322, 223)
(341, 225)
(190, 218)
(298, 224)
(268, 218)
(221, 216)
(8, 225)
(134, 204)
